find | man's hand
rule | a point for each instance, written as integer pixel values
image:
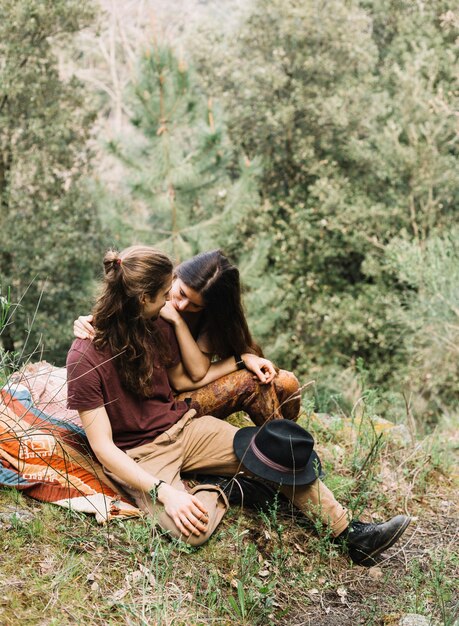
(189, 513)
(170, 313)
(263, 369)
(82, 327)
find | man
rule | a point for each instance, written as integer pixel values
(121, 385)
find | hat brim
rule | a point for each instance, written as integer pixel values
(241, 444)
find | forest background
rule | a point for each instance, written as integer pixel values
(315, 142)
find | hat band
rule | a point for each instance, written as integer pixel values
(272, 464)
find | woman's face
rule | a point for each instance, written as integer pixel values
(184, 298)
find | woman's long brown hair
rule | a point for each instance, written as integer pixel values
(213, 276)
(137, 343)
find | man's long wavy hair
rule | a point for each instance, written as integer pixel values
(213, 276)
(137, 343)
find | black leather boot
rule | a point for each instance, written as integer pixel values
(366, 541)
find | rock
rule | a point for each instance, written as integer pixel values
(412, 619)
(328, 421)
(375, 573)
(12, 514)
(350, 427)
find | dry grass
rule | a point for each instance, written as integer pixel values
(58, 567)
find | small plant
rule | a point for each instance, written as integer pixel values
(5, 305)
(238, 606)
(432, 585)
(5, 356)
(254, 585)
(271, 518)
(443, 587)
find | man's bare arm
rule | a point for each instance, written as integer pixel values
(186, 510)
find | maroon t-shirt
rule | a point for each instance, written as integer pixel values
(93, 381)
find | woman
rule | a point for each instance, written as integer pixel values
(205, 308)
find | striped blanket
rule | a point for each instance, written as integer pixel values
(46, 454)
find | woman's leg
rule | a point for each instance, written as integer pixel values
(288, 393)
(239, 391)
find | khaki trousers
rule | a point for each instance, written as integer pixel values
(205, 444)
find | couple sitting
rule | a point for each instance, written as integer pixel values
(145, 436)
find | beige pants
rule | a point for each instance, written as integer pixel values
(205, 444)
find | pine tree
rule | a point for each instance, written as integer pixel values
(183, 171)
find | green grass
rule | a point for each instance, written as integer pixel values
(59, 567)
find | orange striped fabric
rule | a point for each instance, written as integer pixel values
(51, 461)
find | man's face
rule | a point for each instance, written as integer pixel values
(184, 298)
(152, 306)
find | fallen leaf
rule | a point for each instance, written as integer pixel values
(46, 566)
(134, 577)
(148, 575)
(314, 595)
(375, 573)
(299, 548)
(119, 595)
(342, 592)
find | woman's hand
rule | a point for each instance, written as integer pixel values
(263, 369)
(189, 513)
(82, 327)
(170, 313)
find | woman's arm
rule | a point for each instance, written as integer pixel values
(263, 369)
(202, 372)
(186, 510)
(195, 361)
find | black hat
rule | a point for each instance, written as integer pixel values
(280, 451)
